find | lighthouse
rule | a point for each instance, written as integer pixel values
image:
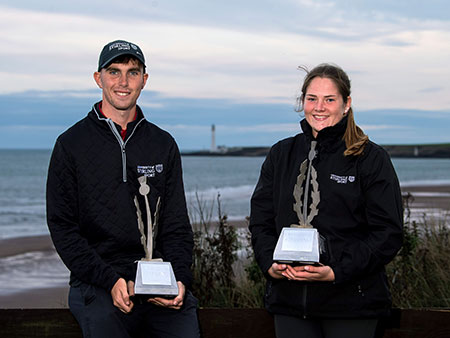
(213, 139)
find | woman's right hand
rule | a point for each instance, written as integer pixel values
(276, 270)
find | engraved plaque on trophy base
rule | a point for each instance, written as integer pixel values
(297, 246)
(155, 278)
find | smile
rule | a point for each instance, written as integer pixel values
(122, 94)
(320, 117)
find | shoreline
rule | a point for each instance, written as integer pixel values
(432, 198)
(429, 197)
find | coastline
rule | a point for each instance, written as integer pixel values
(427, 199)
(439, 150)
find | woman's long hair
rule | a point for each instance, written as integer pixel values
(354, 137)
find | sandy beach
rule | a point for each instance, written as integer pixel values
(434, 199)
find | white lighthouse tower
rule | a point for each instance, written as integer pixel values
(213, 139)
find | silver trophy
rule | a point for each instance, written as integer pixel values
(301, 243)
(153, 277)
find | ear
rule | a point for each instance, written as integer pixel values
(98, 79)
(348, 104)
(144, 80)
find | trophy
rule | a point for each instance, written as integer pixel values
(301, 243)
(153, 277)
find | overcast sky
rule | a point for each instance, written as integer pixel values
(231, 63)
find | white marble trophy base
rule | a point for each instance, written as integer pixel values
(155, 278)
(297, 246)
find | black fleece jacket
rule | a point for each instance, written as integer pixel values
(360, 216)
(91, 185)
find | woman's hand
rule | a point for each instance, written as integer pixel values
(276, 270)
(309, 273)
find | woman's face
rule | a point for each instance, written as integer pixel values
(323, 104)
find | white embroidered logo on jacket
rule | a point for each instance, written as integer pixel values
(150, 170)
(342, 179)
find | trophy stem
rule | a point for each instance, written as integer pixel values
(311, 155)
(149, 229)
(144, 190)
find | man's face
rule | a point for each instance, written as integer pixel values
(121, 84)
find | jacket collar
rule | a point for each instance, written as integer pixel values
(98, 117)
(329, 138)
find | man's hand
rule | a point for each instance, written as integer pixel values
(175, 303)
(121, 296)
(309, 273)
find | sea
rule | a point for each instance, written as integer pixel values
(230, 180)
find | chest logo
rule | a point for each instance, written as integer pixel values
(342, 179)
(150, 170)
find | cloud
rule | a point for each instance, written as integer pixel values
(244, 61)
(264, 128)
(431, 89)
(368, 127)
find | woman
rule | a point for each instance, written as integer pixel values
(359, 217)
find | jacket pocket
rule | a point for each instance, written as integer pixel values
(374, 291)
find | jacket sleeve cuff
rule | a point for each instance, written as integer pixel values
(338, 274)
(111, 282)
(184, 277)
(186, 282)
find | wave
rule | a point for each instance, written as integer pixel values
(32, 270)
(424, 183)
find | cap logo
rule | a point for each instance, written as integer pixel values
(121, 46)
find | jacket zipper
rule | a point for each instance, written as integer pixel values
(122, 145)
(305, 291)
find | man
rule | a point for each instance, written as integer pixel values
(92, 216)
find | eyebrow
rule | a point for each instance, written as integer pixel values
(331, 95)
(134, 69)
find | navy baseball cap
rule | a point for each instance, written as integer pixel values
(117, 48)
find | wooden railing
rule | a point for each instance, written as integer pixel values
(217, 323)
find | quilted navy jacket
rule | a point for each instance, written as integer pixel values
(360, 216)
(91, 185)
